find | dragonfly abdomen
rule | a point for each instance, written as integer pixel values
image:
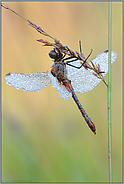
(84, 114)
(67, 83)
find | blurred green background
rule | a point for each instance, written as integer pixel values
(44, 137)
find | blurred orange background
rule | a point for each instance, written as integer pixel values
(44, 137)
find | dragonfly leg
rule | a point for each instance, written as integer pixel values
(88, 55)
(74, 58)
(74, 66)
(68, 62)
(69, 51)
(71, 57)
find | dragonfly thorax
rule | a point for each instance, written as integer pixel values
(59, 70)
(59, 67)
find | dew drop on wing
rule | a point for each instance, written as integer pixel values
(83, 80)
(28, 81)
(64, 93)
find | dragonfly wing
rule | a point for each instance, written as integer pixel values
(28, 81)
(60, 88)
(83, 80)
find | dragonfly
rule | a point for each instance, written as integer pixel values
(68, 74)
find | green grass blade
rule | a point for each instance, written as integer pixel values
(109, 93)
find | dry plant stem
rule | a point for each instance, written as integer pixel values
(109, 93)
(60, 46)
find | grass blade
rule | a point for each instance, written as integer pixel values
(109, 92)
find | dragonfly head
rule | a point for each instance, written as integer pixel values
(56, 54)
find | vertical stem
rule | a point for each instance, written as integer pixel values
(109, 93)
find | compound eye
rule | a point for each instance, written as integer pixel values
(55, 54)
(52, 54)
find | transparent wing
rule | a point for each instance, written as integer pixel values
(60, 88)
(83, 80)
(28, 81)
